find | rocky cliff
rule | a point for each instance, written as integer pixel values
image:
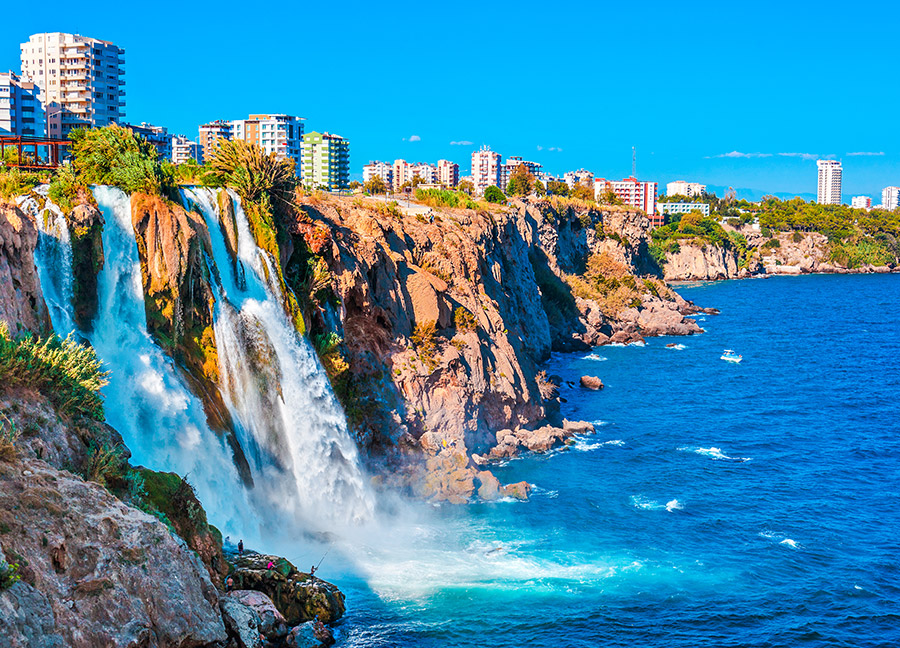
(701, 262)
(438, 321)
(21, 300)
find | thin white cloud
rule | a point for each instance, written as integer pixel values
(738, 154)
(540, 148)
(555, 148)
(805, 156)
(415, 138)
(462, 143)
(858, 153)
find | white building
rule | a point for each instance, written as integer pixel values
(682, 188)
(683, 207)
(572, 178)
(21, 110)
(184, 149)
(447, 173)
(383, 170)
(81, 80)
(829, 187)
(485, 169)
(158, 136)
(632, 192)
(861, 202)
(404, 172)
(890, 198)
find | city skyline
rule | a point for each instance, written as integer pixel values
(730, 134)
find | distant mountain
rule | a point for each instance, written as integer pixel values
(756, 194)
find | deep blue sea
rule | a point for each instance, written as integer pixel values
(717, 505)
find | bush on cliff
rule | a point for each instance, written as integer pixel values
(15, 182)
(251, 172)
(494, 195)
(66, 372)
(9, 438)
(67, 191)
(115, 156)
(445, 198)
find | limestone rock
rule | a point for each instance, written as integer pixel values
(85, 224)
(125, 580)
(519, 490)
(297, 596)
(242, 622)
(591, 382)
(489, 489)
(272, 623)
(22, 304)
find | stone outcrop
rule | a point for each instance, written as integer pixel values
(95, 571)
(697, 262)
(298, 596)
(272, 623)
(591, 382)
(85, 224)
(22, 304)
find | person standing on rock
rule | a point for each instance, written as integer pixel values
(312, 573)
(240, 547)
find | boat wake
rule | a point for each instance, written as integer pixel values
(780, 539)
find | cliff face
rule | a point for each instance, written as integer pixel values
(21, 300)
(695, 262)
(443, 318)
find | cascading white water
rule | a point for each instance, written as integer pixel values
(162, 422)
(305, 464)
(53, 259)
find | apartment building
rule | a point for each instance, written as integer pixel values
(184, 149)
(447, 173)
(326, 161)
(829, 185)
(682, 207)
(81, 80)
(404, 172)
(383, 170)
(158, 136)
(890, 198)
(509, 167)
(211, 133)
(278, 134)
(861, 202)
(572, 178)
(21, 110)
(485, 169)
(634, 193)
(682, 188)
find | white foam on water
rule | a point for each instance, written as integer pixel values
(594, 357)
(780, 539)
(712, 453)
(673, 505)
(790, 543)
(677, 347)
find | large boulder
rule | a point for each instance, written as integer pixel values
(242, 623)
(298, 596)
(591, 382)
(272, 623)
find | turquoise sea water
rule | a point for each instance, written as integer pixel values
(717, 504)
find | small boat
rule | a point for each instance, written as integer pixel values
(730, 356)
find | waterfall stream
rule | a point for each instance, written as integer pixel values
(305, 466)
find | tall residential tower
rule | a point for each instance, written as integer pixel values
(326, 161)
(81, 80)
(829, 190)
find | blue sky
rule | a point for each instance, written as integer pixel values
(733, 94)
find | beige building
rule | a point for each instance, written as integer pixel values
(211, 133)
(682, 188)
(485, 169)
(81, 80)
(404, 172)
(278, 134)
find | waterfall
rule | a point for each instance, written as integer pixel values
(293, 431)
(53, 260)
(162, 422)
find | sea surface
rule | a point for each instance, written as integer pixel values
(718, 504)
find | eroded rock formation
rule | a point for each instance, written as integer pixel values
(22, 304)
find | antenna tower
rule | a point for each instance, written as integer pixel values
(633, 163)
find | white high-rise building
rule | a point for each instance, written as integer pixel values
(485, 169)
(447, 173)
(829, 189)
(861, 202)
(21, 110)
(682, 188)
(572, 178)
(278, 134)
(890, 198)
(81, 80)
(184, 149)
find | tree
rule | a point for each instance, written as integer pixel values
(355, 184)
(375, 185)
(520, 182)
(466, 186)
(609, 197)
(494, 195)
(583, 190)
(539, 188)
(557, 188)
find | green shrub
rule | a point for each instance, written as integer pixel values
(494, 195)
(464, 320)
(66, 190)
(797, 237)
(9, 575)
(9, 438)
(15, 182)
(106, 463)
(424, 339)
(771, 244)
(66, 372)
(445, 198)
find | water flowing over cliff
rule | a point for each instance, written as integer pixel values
(304, 467)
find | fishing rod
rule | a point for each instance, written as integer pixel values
(323, 557)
